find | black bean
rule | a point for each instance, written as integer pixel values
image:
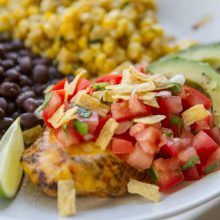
(15, 115)
(38, 89)
(54, 73)
(2, 113)
(70, 78)
(12, 75)
(24, 80)
(23, 96)
(40, 102)
(25, 88)
(3, 103)
(10, 107)
(2, 50)
(7, 64)
(41, 60)
(24, 52)
(25, 64)
(17, 44)
(12, 56)
(30, 105)
(5, 123)
(40, 74)
(8, 47)
(28, 120)
(9, 89)
(2, 72)
(18, 68)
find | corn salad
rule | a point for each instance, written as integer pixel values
(96, 35)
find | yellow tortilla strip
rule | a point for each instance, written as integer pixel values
(142, 87)
(69, 115)
(69, 88)
(127, 78)
(56, 117)
(106, 134)
(145, 190)
(195, 113)
(66, 198)
(89, 102)
(149, 120)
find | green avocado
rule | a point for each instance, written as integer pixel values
(209, 53)
(195, 72)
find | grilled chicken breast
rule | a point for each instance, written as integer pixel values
(94, 171)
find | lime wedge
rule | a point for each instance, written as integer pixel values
(11, 148)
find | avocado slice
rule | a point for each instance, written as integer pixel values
(195, 72)
(209, 53)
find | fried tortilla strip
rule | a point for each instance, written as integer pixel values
(89, 102)
(106, 134)
(66, 197)
(142, 87)
(149, 120)
(146, 190)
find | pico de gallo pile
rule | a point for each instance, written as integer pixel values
(151, 122)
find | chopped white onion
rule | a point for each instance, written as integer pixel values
(165, 93)
(88, 137)
(179, 78)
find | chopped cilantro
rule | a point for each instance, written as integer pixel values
(81, 127)
(191, 163)
(100, 86)
(211, 168)
(168, 132)
(176, 88)
(176, 120)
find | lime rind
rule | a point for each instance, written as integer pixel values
(11, 148)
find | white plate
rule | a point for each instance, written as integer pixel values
(178, 18)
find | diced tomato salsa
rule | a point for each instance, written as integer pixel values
(170, 149)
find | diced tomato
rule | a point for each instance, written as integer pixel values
(136, 128)
(59, 85)
(170, 105)
(54, 103)
(123, 127)
(137, 107)
(185, 155)
(193, 173)
(213, 162)
(121, 112)
(215, 134)
(68, 137)
(191, 97)
(189, 161)
(187, 134)
(204, 146)
(149, 140)
(121, 146)
(92, 122)
(102, 122)
(204, 124)
(167, 172)
(111, 79)
(139, 159)
(82, 84)
(170, 147)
